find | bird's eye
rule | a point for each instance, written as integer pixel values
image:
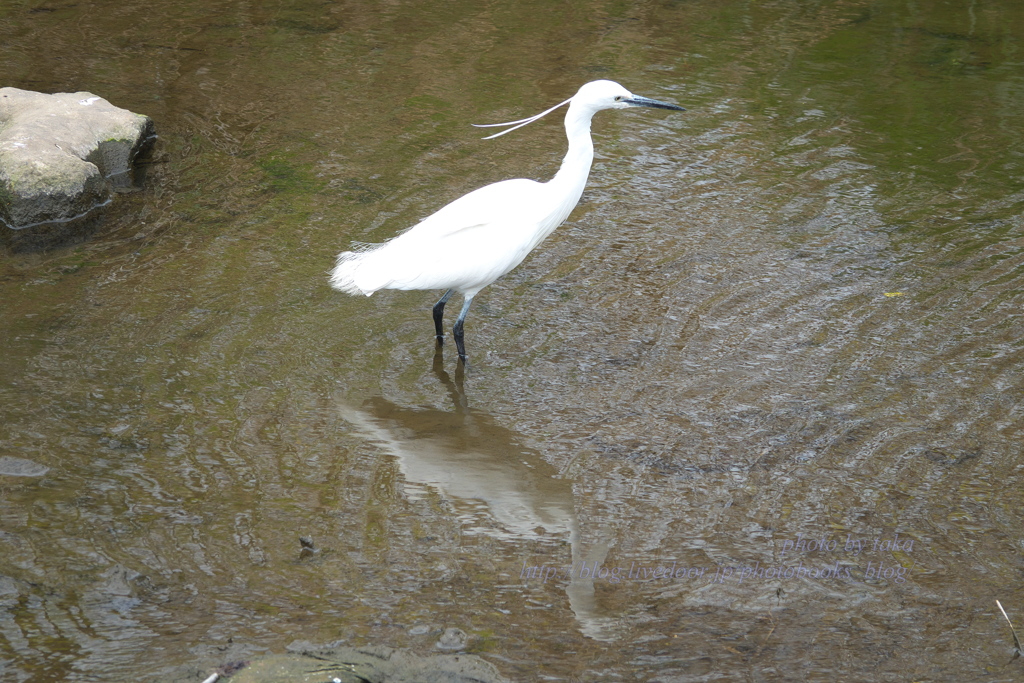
(619, 98)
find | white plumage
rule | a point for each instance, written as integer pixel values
(479, 237)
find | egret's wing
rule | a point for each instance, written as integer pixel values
(465, 245)
(498, 203)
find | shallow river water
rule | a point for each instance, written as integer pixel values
(776, 349)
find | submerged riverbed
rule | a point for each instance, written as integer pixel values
(762, 391)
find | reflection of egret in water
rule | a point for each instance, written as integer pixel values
(465, 456)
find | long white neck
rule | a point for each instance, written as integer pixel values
(568, 183)
(576, 166)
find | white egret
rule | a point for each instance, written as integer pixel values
(479, 237)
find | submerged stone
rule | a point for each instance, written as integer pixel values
(308, 663)
(20, 467)
(62, 157)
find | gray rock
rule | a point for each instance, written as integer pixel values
(62, 157)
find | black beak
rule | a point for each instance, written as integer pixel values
(637, 101)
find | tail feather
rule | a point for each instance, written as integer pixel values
(343, 277)
(396, 264)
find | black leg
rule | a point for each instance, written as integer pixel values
(460, 342)
(439, 316)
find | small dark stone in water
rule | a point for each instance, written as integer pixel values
(232, 667)
(308, 548)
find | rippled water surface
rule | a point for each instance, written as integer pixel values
(776, 348)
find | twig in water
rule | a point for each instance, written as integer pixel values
(1016, 641)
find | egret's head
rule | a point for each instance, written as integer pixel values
(598, 95)
(591, 98)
